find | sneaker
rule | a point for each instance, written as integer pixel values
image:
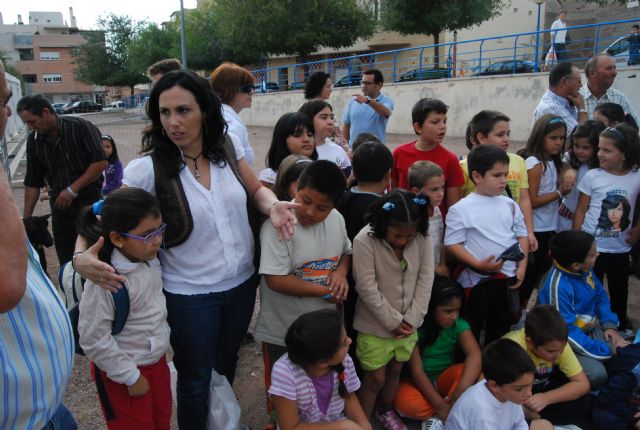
(390, 420)
(433, 423)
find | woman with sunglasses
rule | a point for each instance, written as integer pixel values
(204, 185)
(234, 86)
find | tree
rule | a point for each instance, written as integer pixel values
(151, 44)
(256, 28)
(105, 58)
(410, 16)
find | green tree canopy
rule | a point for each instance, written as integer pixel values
(151, 44)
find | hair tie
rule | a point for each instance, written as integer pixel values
(616, 132)
(556, 120)
(388, 207)
(341, 376)
(97, 207)
(420, 201)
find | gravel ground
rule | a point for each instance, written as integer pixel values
(81, 396)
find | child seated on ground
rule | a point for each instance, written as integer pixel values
(437, 381)
(308, 272)
(495, 402)
(486, 233)
(572, 288)
(315, 381)
(560, 386)
(427, 179)
(429, 118)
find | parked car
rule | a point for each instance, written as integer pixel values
(57, 107)
(82, 107)
(425, 74)
(507, 68)
(619, 50)
(297, 86)
(115, 106)
(349, 81)
(266, 87)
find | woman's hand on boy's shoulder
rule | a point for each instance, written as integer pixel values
(283, 218)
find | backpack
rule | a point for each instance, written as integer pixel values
(72, 286)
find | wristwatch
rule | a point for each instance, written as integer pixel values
(368, 100)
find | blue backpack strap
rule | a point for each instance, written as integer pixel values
(122, 305)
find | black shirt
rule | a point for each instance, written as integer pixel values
(353, 207)
(60, 163)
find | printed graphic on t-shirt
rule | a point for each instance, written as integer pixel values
(317, 271)
(615, 213)
(542, 375)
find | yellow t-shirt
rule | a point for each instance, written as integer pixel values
(567, 363)
(516, 179)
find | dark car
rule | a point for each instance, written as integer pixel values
(266, 87)
(424, 74)
(83, 107)
(508, 67)
(349, 81)
(297, 86)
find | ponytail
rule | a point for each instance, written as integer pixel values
(89, 227)
(342, 388)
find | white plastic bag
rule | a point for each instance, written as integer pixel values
(224, 409)
(173, 377)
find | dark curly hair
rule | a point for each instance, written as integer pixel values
(314, 85)
(154, 139)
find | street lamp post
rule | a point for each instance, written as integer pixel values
(183, 36)
(537, 55)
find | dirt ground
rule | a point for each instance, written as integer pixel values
(81, 396)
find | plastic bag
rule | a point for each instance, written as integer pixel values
(224, 409)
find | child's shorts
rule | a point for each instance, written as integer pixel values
(375, 352)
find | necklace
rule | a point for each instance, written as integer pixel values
(196, 172)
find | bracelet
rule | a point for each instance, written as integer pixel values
(272, 206)
(582, 111)
(73, 259)
(70, 191)
(560, 196)
(326, 296)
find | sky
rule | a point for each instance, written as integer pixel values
(88, 11)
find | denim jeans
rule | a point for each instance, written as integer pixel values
(61, 420)
(206, 333)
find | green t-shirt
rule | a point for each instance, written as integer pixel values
(438, 356)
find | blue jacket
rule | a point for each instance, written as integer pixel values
(583, 302)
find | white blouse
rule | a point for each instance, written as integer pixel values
(218, 255)
(237, 128)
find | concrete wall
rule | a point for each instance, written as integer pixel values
(516, 96)
(15, 123)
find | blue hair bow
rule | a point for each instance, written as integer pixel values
(420, 201)
(97, 207)
(388, 207)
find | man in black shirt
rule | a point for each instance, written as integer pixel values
(66, 153)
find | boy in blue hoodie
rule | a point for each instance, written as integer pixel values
(572, 288)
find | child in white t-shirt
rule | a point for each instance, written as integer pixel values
(495, 402)
(480, 228)
(605, 209)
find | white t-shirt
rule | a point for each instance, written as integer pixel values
(332, 152)
(312, 253)
(570, 201)
(268, 175)
(236, 127)
(478, 409)
(545, 218)
(218, 255)
(484, 225)
(559, 36)
(611, 207)
(436, 230)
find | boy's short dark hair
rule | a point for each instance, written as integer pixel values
(324, 177)
(571, 246)
(482, 158)
(164, 66)
(467, 137)
(559, 71)
(378, 77)
(421, 171)
(371, 162)
(545, 324)
(484, 121)
(636, 26)
(504, 362)
(424, 107)
(362, 138)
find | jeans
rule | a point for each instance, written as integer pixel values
(206, 333)
(61, 420)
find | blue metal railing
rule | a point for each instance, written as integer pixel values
(521, 52)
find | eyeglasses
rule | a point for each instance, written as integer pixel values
(246, 88)
(365, 83)
(158, 232)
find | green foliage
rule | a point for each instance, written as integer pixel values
(151, 44)
(255, 28)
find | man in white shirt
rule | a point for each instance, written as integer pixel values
(600, 71)
(559, 37)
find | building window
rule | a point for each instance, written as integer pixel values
(30, 79)
(52, 77)
(26, 54)
(49, 56)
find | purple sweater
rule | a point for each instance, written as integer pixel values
(112, 177)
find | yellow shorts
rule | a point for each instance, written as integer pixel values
(375, 352)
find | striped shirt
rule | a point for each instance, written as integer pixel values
(292, 382)
(559, 106)
(36, 353)
(610, 96)
(61, 162)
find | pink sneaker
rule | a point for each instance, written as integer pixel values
(390, 420)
